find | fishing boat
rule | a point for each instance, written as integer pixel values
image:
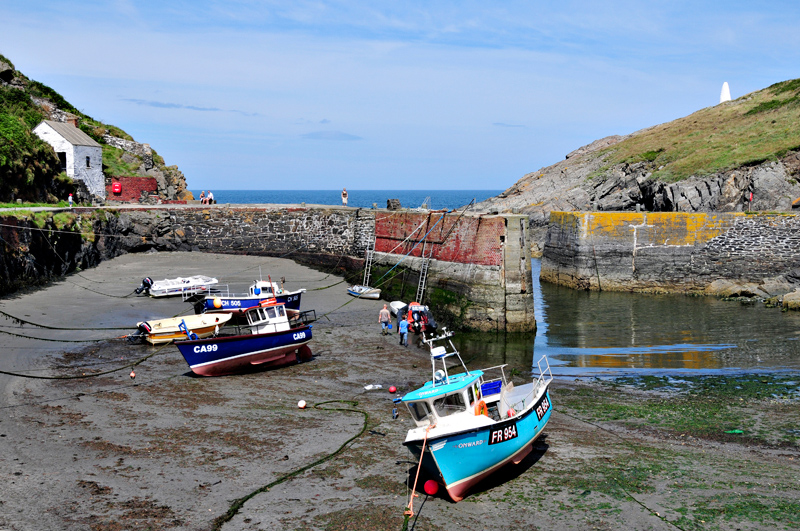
(260, 290)
(176, 286)
(277, 337)
(364, 292)
(470, 424)
(158, 331)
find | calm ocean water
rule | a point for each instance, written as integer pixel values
(439, 199)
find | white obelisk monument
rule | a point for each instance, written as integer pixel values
(725, 95)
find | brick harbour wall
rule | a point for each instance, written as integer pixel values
(132, 188)
(667, 251)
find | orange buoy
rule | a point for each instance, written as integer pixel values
(481, 409)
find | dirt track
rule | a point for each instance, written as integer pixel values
(172, 451)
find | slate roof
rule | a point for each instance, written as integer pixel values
(72, 134)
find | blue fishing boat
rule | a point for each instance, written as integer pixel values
(470, 424)
(277, 337)
(261, 290)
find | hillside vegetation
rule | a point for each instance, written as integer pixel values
(29, 168)
(755, 128)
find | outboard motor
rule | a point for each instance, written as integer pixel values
(431, 325)
(147, 283)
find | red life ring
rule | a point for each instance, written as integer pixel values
(481, 409)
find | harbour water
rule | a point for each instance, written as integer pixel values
(586, 334)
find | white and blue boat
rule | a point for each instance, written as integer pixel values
(277, 337)
(470, 424)
(261, 290)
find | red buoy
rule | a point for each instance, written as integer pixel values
(133, 375)
(392, 389)
(431, 487)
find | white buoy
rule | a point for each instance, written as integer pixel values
(725, 95)
(301, 404)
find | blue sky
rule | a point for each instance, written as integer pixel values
(254, 94)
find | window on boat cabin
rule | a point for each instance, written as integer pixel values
(281, 311)
(419, 410)
(271, 313)
(449, 404)
(471, 396)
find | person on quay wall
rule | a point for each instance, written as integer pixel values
(383, 319)
(202, 197)
(70, 200)
(344, 196)
(403, 331)
(211, 198)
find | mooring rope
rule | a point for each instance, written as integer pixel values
(239, 503)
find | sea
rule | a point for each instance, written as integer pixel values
(434, 199)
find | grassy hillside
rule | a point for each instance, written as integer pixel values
(758, 127)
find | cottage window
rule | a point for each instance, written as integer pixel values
(88, 162)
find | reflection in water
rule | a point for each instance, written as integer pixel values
(595, 333)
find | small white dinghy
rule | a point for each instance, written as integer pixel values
(364, 292)
(177, 286)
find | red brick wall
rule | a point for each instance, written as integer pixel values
(132, 188)
(473, 240)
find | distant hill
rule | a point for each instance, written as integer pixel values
(708, 161)
(29, 168)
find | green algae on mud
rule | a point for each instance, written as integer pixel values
(672, 448)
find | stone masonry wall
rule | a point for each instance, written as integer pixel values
(667, 252)
(497, 290)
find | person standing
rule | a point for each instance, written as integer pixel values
(383, 318)
(344, 196)
(70, 200)
(403, 331)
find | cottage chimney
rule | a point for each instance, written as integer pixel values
(72, 119)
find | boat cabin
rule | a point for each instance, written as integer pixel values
(446, 395)
(263, 288)
(270, 316)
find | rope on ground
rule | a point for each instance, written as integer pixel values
(23, 321)
(239, 503)
(92, 375)
(409, 512)
(616, 480)
(62, 340)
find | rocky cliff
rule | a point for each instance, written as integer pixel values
(710, 161)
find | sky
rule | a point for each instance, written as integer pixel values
(429, 95)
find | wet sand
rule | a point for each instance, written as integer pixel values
(169, 450)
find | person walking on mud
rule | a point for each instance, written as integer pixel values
(403, 331)
(383, 318)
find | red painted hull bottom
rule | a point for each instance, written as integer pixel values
(458, 492)
(257, 362)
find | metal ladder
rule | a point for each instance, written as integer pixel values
(423, 273)
(370, 256)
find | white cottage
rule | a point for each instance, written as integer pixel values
(81, 157)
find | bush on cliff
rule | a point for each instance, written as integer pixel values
(28, 166)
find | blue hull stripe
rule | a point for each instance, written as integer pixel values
(213, 350)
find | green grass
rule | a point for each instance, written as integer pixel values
(113, 163)
(752, 129)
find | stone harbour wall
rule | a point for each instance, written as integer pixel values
(670, 251)
(489, 289)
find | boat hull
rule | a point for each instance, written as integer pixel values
(224, 355)
(241, 304)
(463, 459)
(160, 331)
